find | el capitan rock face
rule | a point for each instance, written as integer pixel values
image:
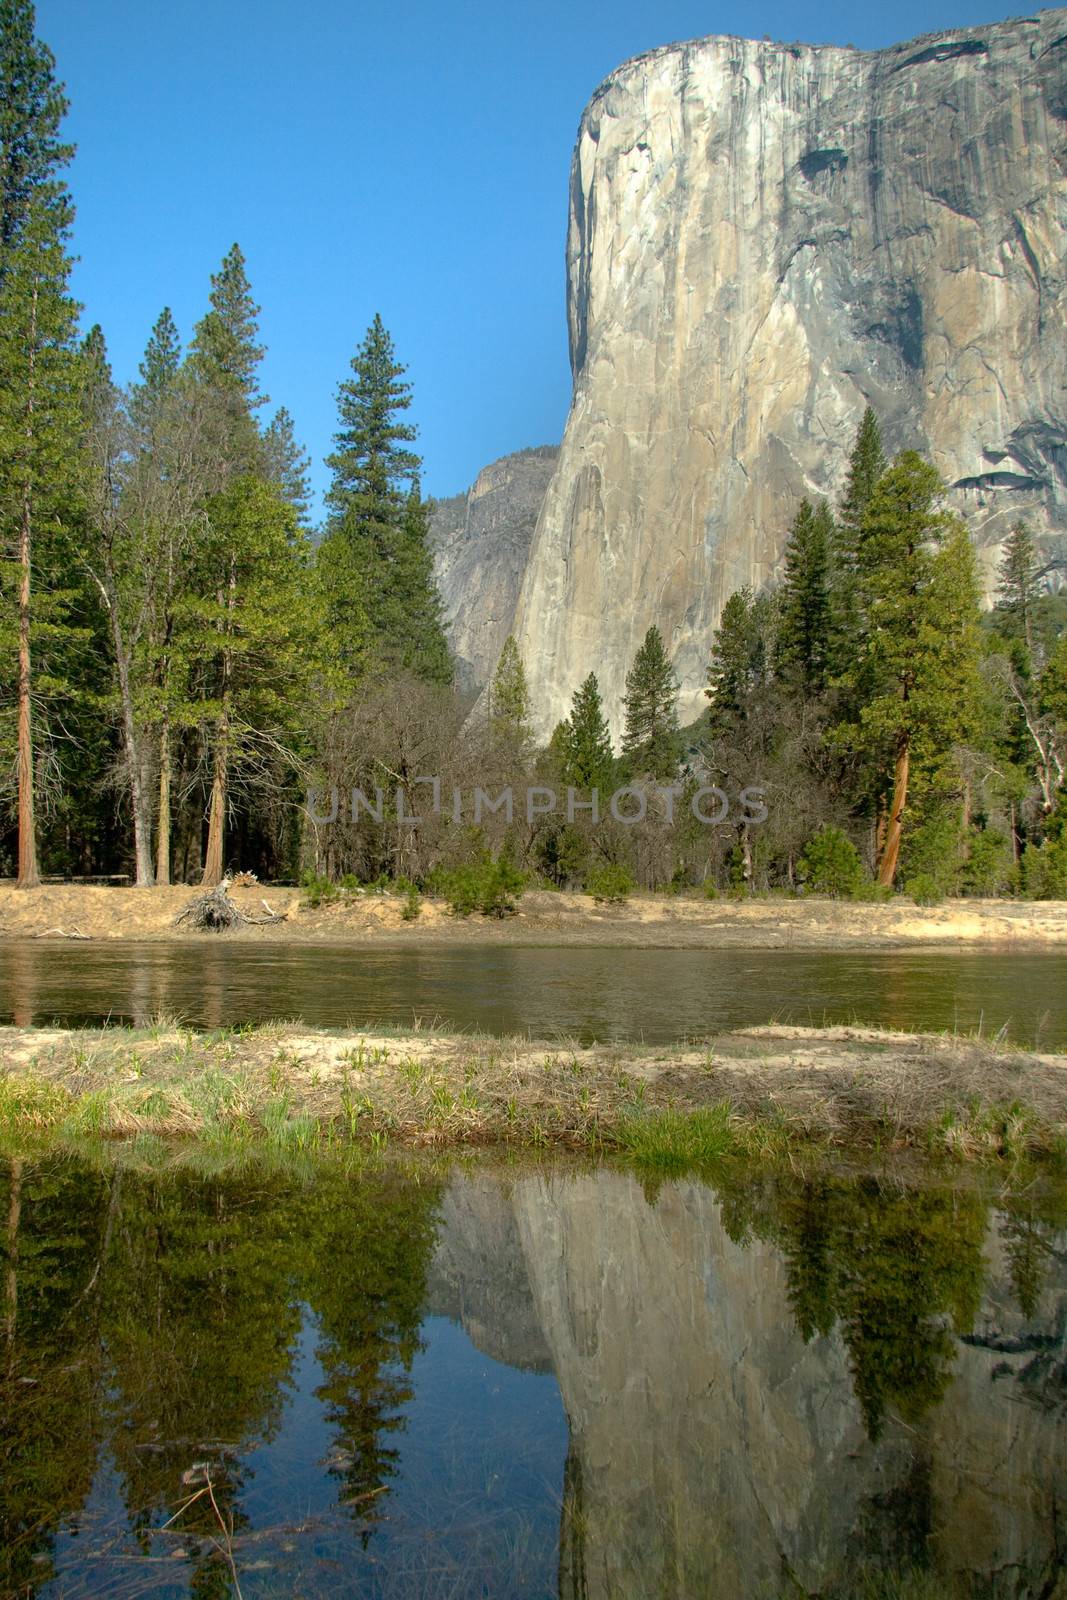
(481, 543)
(763, 238)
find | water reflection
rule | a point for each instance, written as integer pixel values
(555, 1383)
(654, 995)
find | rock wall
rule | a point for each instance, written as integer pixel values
(481, 545)
(763, 238)
(712, 1450)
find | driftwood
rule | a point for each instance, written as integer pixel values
(215, 912)
(61, 933)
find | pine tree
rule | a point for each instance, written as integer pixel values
(1019, 589)
(804, 630)
(260, 646)
(509, 699)
(159, 370)
(584, 746)
(224, 358)
(375, 562)
(866, 466)
(288, 463)
(915, 680)
(38, 384)
(742, 659)
(32, 107)
(650, 739)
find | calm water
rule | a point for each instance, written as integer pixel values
(652, 995)
(561, 1384)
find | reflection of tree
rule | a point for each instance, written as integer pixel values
(369, 1248)
(897, 1268)
(200, 1318)
(49, 1424)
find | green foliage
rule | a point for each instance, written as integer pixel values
(742, 660)
(914, 684)
(319, 890)
(509, 699)
(1043, 870)
(412, 903)
(562, 855)
(650, 740)
(1019, 589)
(988, 867)
(805, 626)
(933, 848)
(491, 887)
(924, 889)
(583, 741)
(609, 882)
(375, 560)
(831, 864)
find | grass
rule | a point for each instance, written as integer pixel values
(762, 1096)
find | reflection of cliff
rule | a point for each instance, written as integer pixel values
(712, 1450)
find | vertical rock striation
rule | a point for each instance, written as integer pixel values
(763, 238)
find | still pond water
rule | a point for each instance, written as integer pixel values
(559, 1382)
(652, 995)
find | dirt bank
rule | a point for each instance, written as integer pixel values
(543, 918)
(764, 1091)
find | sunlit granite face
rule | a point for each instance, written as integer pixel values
(763, 238)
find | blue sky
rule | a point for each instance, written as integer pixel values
(408, 159)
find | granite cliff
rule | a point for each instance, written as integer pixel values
(481, 543)
(714, 1450)
(763, 238)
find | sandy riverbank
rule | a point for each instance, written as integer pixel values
(57, 910)
(764, 1091)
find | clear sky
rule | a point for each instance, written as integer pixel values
(410, 159)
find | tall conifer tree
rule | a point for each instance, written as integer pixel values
(38, 380)
(915, 680)
(804, 628)
(375, 561)
(584, 740)
(650, 739)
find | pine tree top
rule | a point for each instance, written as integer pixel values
(32, 106)
(224, 349)
(372, 469)
(866, 466)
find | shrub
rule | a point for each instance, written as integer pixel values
(934, 850)
(830, 864)
(562, 856)
(988, 867)
(710, 890)
(609, 882)
(1043, 870)
(488, 886)
(924, 889)
(318, 891)
(874, 893)
(412, 904)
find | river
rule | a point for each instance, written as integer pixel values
(654, 996)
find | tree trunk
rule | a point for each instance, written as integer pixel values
(213, 859)
(28, 876)
(142, 831)
(887, 867)
(163, 839)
